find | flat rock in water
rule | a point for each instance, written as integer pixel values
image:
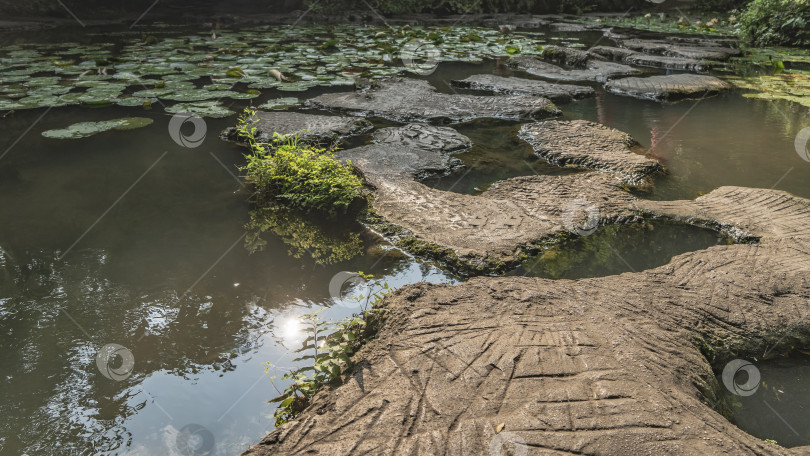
(391, 161)
(308, 127)
(703, 49)
(648, 60)
(668, 88)
(593, 71)
(411, 151)
(568, 27)
(442, 139)
(559, 93)
(416, 100)
(590, 145)
(576, 58)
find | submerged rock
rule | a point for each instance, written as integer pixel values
(595, 70)
(416, 100)
(655, 61)
(590, 145)
(308, 127)
(559, 93)
(668, 88)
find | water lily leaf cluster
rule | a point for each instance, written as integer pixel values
(236, 65)
(773, 73)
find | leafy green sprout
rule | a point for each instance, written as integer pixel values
(328, 346)
(299, 175)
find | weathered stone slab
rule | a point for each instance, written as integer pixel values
(745, 214)
(593, 71)
(695, 50)
(308, 127)
(568, 27)
(396, 161)
(416, 100)
(648, 60)
(413, 151)
(576, 58)
(605, 366)
(442, 139)
(558, 93)
(668, 88)
(590, 145)
(497, 229)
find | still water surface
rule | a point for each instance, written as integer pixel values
(164, 270)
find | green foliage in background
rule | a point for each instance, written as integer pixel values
(776, 22)
(479, 6)
(298, 175)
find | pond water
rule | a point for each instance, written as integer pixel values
(127, 238)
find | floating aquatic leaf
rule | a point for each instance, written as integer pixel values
(85, 129)
(202, 109)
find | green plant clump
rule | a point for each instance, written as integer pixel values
(298, 175)
(776, 22)
(329, 346)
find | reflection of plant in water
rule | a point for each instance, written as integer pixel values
(329, 346)
(301, 235)
(642, 245)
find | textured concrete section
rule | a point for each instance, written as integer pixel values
(309, 127)
(558, 93)
(668, 88)
(603, 366)
(413, 151)
(654, 61)
(442, 139)
(696, 49)
(593, 71)
(590, 145)
(767, 215)
(499, 228)
(412, 100)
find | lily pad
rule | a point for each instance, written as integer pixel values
(85, 129)
(203, 109)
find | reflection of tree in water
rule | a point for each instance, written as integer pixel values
(302, 235)
(50, 380)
